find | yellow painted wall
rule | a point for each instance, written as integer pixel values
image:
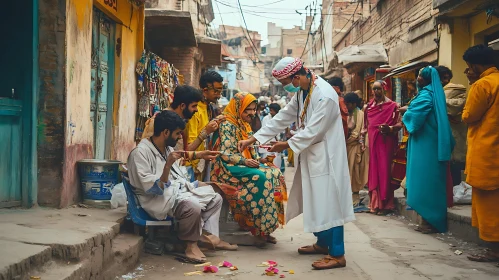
(457, 37)
(130, 29)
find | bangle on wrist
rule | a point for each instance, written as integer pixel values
(193, 155)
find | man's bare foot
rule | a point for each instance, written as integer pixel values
(222, 245)
(209, 241)
(194, 252)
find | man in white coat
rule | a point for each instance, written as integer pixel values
(321, 187)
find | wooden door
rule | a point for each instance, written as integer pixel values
(10, 151)
(101, 89)
(16, 89)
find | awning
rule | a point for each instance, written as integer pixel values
(462, 8)
(212, 50)
(358, 57)
(494, 45)
(406, 68)
(168, 28)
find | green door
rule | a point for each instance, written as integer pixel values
(101, 89)
(16, 92)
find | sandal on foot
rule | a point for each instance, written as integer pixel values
(185, 259)
(329, 262)
(313, 250)
(483, 258)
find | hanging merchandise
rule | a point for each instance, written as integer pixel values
(157, 80)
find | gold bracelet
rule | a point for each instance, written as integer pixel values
(193, 155)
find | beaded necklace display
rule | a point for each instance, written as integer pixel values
(307, 100)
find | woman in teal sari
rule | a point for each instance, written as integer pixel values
(428, 153)
(256, 192)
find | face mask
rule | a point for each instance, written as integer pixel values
(291, 88)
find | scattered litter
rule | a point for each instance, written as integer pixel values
(452, 245)
(457, 252)
(131, 275)
(35, 277)
(233, 268)
(272, 269)
(81, 205)
(193, 273)
(440, 238)
(210, 269)
(291, 238)
(83, 215)
(291, 272)
(225, 264)
(203, 264)
(173, 268)
(282, 276)
(140, 268)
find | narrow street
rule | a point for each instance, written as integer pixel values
(376, 248)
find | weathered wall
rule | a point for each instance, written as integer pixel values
(51, 111)
(125, 96)
(79, 133)
(457, 35)
(406, 29)
(65, 130)
(183, 59)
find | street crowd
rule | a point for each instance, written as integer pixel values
(192, 157)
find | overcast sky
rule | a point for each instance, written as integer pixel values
(257, 13)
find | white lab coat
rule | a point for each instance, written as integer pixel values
(321, 186)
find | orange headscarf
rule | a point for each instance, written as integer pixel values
(233, 113)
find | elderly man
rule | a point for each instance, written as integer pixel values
(164, 189)
(481, 113)
(321, 188)
(455, 97)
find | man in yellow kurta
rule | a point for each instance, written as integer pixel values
(481, 113)
(211, 83)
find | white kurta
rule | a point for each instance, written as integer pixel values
(321, 186)
(145, 167)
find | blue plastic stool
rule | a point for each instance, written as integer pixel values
(138, 215)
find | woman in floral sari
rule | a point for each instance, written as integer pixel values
(256, 192)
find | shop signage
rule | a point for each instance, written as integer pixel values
(113, 4)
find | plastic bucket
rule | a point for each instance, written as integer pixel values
(98, 177)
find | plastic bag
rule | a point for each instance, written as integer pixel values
(118, 196)
(462, 193)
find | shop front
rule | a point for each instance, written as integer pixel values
(464, 24)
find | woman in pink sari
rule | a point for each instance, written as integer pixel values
(382, 125)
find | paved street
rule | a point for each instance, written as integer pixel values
(377, 248)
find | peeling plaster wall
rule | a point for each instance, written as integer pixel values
(125, 98)
(78, 132)
(65, 130)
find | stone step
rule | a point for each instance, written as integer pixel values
(125, 252)
(458, 220)
(17, 259)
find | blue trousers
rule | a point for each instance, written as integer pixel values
(333, 239)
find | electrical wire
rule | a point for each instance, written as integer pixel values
(255, 50)
(308, 33)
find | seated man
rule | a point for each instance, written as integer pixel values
(163, 187)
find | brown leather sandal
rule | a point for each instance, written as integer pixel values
(329, 262)
(313, 250)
